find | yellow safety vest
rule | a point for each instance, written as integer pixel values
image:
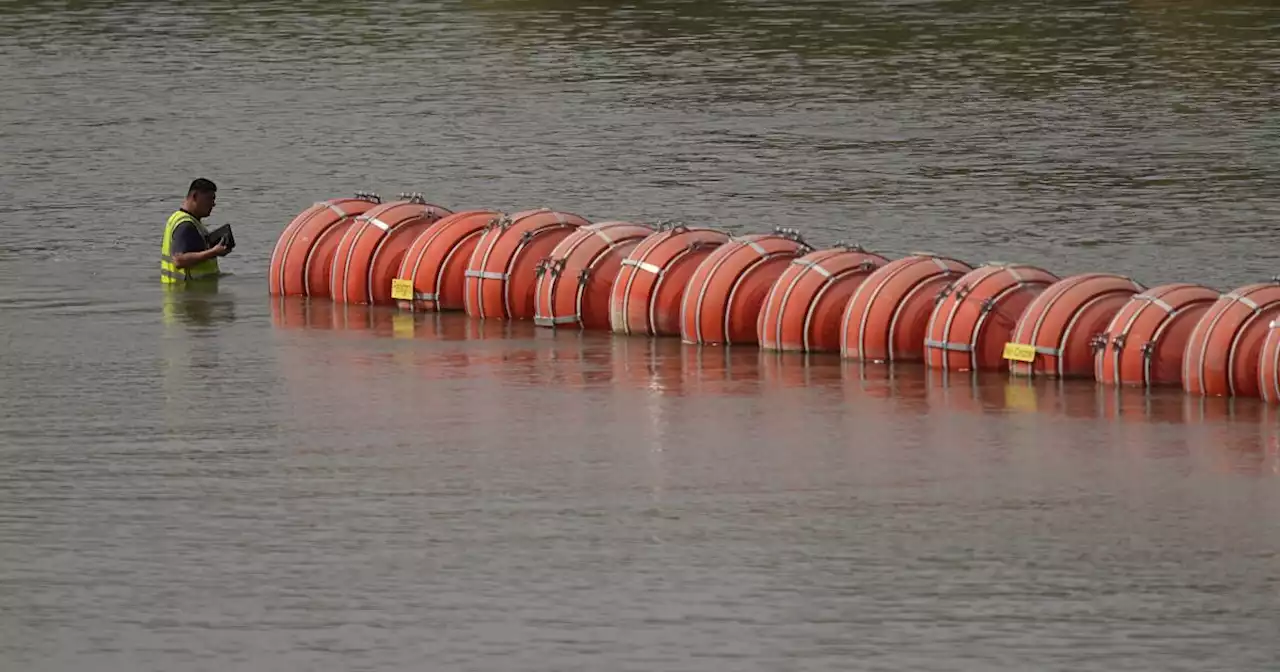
(172, 274)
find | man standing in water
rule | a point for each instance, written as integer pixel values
(185, 253)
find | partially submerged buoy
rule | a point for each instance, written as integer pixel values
(303, 255)
(1269, 365)
(887, 316)
(435, 265)
(721, 305)
(575, 280)
(369, 254)
(976, 315)
(1146, 340)
(1224, 350)
(502, 273)
(804, 308)
(1056, 333)
(646, 295)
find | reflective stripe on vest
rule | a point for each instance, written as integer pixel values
(170, 273)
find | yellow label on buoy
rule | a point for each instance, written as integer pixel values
(1019, 352)
(401, 289)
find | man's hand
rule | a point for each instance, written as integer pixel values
(188, 259)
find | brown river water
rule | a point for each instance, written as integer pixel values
(227, 482)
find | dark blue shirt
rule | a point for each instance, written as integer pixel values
(187, 238)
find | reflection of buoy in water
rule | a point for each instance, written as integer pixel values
(369, 254)
(502, 272)
(721, 304)
(1145, 341)
(303, 255)
(978, 311)
(646, 295)
(1063, 321)
(805, 306)
(887, 316)
(1224, 349)
(436, 261)
(298, 312)
(575, 280)
(1140, 404)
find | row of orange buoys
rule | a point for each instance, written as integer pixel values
(775, 291)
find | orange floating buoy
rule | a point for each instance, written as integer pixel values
(576, 279)
(1269, 365)
(303, 254)
(1223, 353)
(805, 307)
(721, 303)
(502, 273)
(647, 293)
(887, 316)
(369, 254)
(976, 314)
(1056, 333)
(1146, 340)
(432, 273)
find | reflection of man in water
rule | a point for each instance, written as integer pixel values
(185, 253)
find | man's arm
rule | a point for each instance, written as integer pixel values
(188, 247)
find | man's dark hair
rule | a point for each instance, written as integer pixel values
(202, 185)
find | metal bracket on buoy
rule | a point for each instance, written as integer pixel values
(1118, 342)
(1148, 349)
(526, 237)
(584, 275)
(794, 234)
(944, 292)
(849, 247)
(413, 197)
(1099, 341)
(369, 196)
(988, 304)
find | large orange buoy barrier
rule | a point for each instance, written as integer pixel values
(805, 306)
(647, 293)
(721, 304)
(369, 254)
(886, 318)
(435, 264)
(1225, 348)
(774, 290)
(1146, 340)
(303, 255)
(976, 315)
(576, 279)
(502, 273)
(1055, 335)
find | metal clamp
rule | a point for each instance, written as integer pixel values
(1148, 349)
(1098, 342)
(849, 247)
(988, 305)
(944, 292)
(1118, 342)
(549, 265)
(583, 275)
(370, 196)
(413, 197)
